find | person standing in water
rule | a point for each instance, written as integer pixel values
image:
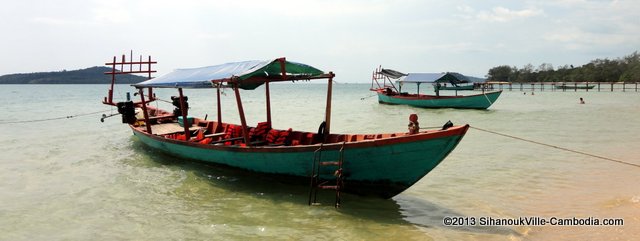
(581, 100)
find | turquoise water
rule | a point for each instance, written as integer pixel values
(78, 178)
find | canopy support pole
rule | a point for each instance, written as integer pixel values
(144, 110)
(185, 121)
(113, 82)
(151, 97)
(266, 85)
(219, 106)
(327, 115)
(243, 121)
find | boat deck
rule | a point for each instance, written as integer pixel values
(169, 128)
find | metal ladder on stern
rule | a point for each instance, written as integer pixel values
(317, 183)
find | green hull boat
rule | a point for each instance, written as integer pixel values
(382, 82)
(381, 165)
(478, 101)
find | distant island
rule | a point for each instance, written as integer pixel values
(93, 75)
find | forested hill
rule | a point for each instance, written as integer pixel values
(625, 69)
(93, 75)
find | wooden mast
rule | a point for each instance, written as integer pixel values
(266, 85)
(327, 114)
(108, 100)
(151, 96)
(219, 106)
(243, 121)
(185, 121)
(144, 110)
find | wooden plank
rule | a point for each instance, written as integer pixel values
(168, 128)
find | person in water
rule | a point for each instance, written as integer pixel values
(581, 100)
(414, 126)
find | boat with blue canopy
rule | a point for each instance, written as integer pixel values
(383, 84)
(376, 164)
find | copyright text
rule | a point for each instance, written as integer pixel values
(530, 221)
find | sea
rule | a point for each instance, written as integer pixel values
(65, 175)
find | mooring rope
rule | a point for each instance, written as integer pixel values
(557, 147)
(485, 96)
(54, 118)
(366, 97)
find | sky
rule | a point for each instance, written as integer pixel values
(349, 37)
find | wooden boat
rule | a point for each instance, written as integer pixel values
(388, 93)
(575, 87)
(477, 101)
(380, 165)
(457, 87)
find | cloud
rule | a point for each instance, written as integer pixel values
(56, 21)
(502, 14)
(111, 12)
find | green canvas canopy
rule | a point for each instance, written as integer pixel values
(246, 75)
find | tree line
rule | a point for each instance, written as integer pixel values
(625, 69)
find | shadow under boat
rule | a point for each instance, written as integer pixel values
(400, 210)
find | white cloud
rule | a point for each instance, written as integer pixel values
(463, 35)
(56, 21)
(502, 14)
(112, 12)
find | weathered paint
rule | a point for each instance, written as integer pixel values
(479, 101)
(383, 167)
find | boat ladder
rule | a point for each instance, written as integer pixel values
(317, 183)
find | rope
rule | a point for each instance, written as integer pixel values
(366, 97)
(557, 147)
(55, 118)
(170, 102)
(485, 96)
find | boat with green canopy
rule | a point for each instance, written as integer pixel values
(383, 84)
(376, 164)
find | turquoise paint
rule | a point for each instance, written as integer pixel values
(401, 164)
(481, 101)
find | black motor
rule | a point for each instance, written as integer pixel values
(127, 111)
(175, 100)
(447, 125)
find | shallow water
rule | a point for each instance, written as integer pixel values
(77, 178)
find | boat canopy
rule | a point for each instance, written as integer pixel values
(392, 73)
(247, 74)
(448, 77)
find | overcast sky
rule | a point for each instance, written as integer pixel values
(348, 37)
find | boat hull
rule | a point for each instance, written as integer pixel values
(478, 101)
(381, 167)
(462, 87)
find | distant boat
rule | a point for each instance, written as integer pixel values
(575, 87)
(389, 94)
(477, 101)
(377, 164)
(457, 87)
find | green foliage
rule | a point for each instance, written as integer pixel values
(93, 75)
(625, 69)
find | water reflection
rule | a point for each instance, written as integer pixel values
(402, 210)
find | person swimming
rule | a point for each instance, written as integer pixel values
(581, 100)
